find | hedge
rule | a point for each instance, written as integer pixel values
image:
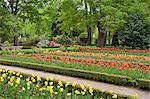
(115, 79)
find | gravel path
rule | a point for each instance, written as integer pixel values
(117, 89)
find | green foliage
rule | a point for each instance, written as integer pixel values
(29, 40)
(63, 39)
(69, 17)
(6, 24)
(7, 43)
(83, 38)
(136, 32)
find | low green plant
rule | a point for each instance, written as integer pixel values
(63, 39)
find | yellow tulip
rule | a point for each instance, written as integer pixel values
(82, 86)
(88, 85)
(12, 84)
(28, 84)
(14, 73)
(17, 74)
(102, 90)
(67, 83)
(20, 76)
(18, 81)
(41, 89)
(83, 92)
(58, 86)
(11, 79)
(4, 75)
(68, 94)
(110, 92)
(4, 71)
(27, 79)
(114, 96)
(77, 92)
(9, 83)
(50, 83)
(73, 84)
(1, 70)
(38, 78)
(60, 83)
(47, 78)
(136, 95)
(61, 89)
(51, 79)
(46, 83)
(28, 88)
(33, 80)
(10, 71)
(90, 90)
(56, 93)
(1, 79)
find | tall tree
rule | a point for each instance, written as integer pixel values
(23, 7)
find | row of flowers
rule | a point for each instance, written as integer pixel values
(93, 62)
(103, 55)
(104, 63)
(18, 86)
(114, 49)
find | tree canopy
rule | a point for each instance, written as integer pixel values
(101, 20)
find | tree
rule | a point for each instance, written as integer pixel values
(23, 9)
(136, 34)
(6, 24)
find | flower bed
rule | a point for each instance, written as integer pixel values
(111, 78)
(115, 56)
(21, 86)
(114, 49)
(84, 64)
(116, 64)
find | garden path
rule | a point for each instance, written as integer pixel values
(143, 94)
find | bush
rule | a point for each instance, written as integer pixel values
(135, 34)
(83, 38)
(7, 43)
(29, 41)
(63, 39)
(43, 43)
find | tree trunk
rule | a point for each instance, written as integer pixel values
(109, 38)
(15, 30)
(115, 41)
(89, 30)
(101, 36)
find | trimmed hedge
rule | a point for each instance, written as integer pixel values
(143, 83)
(115, 79)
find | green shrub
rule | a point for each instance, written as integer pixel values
(63, 39)
(29, 41)
(135, 34)
(83, 38)
(7, 43)
(143, 83)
